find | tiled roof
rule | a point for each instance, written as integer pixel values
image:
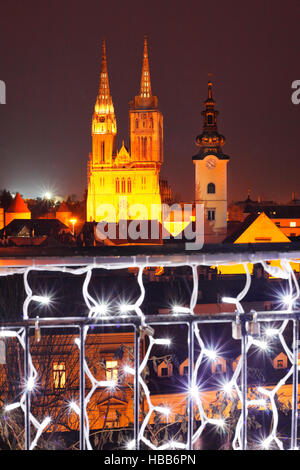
(18, 205)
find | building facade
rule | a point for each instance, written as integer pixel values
(124, 184)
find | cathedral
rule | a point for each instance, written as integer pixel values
(124, 184)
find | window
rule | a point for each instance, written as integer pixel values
(209, 119)
(279, 364)
(211, 188)
(292, 224)
(112, 370)
(102, 152)
(143, 182)
(123, 185)
(185, 370)
(165, 369)
(59, 375)
(117, 185)
(129, 185)
(211, 214)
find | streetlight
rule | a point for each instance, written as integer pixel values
(73, 222)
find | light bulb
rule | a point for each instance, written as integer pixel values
(163, 341)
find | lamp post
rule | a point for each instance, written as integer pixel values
(73, 222)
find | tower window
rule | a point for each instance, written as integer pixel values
(102, 152)
(123, 185)
(211, 214)
(209, 119)
(211, 188)
(129, 185)
(117, 185)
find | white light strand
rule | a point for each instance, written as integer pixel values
(95, 310)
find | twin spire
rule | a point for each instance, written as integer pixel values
(104, 104)
(145, 91)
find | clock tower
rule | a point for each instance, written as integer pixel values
(211, 174)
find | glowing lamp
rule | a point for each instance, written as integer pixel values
(229, 300)
(271, 331)
(73, 406)
(130, 445)
(100, 309)
(30, 384)
(128, 370)
(124, 308)
(163, 410)
(42, 299)
(162, 341)
(178, 309)
(228, 387)
(73, 222)
(211, 354)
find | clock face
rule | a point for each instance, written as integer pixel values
(210, 163)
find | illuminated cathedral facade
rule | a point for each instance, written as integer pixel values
(124, 184)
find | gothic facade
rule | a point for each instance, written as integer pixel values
(124, 184)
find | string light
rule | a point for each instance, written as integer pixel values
(177, 309)
(97, 309)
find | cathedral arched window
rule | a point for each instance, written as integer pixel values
(102, 152)
(129, 185)
(117, 185)
(123, 185)
(211, 188)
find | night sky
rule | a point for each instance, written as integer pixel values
(50, 55)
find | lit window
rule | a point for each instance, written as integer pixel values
(59, 375)
(112, 370)
(292, 224)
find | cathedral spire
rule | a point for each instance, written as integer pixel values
(145, 91)
(104, 104)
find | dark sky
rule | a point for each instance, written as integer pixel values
(50, 61)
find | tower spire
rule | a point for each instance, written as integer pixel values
(104, 104)
(210, 86)
(145, 91)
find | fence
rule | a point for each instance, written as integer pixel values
(245, 327)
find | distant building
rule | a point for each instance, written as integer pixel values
(128, 177)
